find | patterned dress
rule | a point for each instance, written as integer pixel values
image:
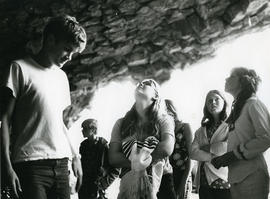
(180, 156)
(179, 159)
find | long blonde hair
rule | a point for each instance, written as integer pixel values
(154, 112)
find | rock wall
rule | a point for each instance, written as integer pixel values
(135, 38)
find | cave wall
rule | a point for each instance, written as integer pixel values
(134, 38)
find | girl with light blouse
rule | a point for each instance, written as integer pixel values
(249, 137)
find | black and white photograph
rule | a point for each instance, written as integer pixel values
(135, 99)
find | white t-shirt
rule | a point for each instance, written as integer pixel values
(37, 121)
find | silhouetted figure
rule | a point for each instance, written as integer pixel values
(98, 174)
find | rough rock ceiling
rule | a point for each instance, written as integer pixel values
(136, 38)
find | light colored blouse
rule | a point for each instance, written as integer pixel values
(218, 146)
(252, 133)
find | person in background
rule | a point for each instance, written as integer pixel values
(36, 155)
(211, 141)
(147, 118)
(249, 137)
(98, 174)
(176, 180)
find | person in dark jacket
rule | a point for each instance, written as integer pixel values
(98, 175)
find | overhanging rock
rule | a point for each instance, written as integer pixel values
(135, 38)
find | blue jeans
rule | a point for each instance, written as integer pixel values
(44, 179)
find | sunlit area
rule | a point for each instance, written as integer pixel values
(187, 88)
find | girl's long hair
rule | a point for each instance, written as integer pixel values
(153, 114)
(249, 82)
(171, 109)
(208, 119)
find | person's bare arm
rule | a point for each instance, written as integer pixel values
(164, 148)
(166, 145)
(111, 172)
(5, 141)
(117, 157)
(76, 161)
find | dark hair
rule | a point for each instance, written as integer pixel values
(208, 119)
(89, 122)
(153, 113)
(249, 81)
(66, 28)
(171, 109)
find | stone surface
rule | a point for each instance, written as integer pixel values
(135, 38)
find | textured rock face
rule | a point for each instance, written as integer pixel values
(136, 38)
